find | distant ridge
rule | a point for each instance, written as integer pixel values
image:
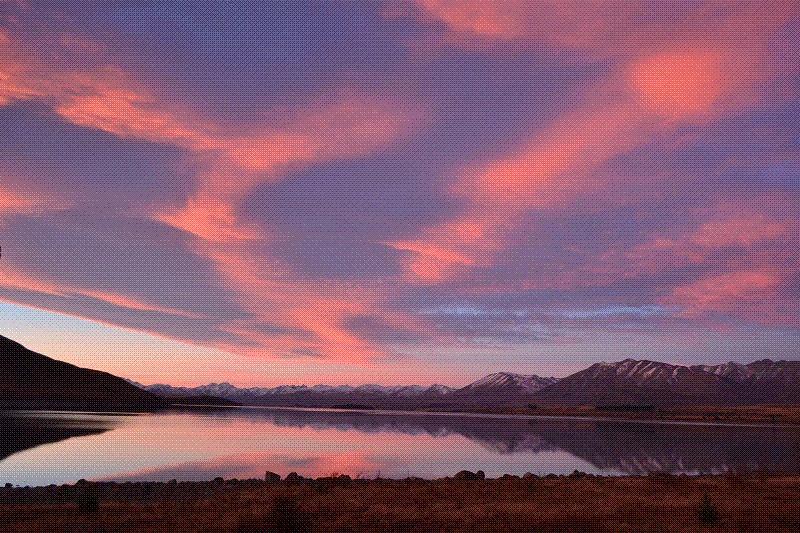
(631, 382)
(29, 380)
(33, 381)
(499, 389)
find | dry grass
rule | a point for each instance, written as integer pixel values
(655, 503)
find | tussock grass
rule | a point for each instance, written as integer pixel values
(571, 503)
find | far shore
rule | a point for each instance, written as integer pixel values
(759, 415)
(465, 502)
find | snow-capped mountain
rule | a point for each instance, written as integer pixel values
(305, 395)
(653, 383)
(764, 381)
(628, 382)
(506, 382)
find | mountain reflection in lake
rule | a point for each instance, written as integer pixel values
(43, 448)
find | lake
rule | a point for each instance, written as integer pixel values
(40, 448)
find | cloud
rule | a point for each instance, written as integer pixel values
(566, 170)
(227, 163)
(751, 295)
(689, 78)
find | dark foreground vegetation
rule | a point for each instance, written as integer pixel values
(464, 503)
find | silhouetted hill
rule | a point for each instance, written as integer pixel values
(30, 380)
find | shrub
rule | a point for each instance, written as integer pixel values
(707, 513)
(87, 503)
(466, 474)
(285, 516)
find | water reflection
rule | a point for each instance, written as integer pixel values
(245, 442)
(20, 431)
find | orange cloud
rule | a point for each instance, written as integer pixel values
(344, 124)
(633, 28)
(749, 294)
(14, 279)
(18, 201)
(678, 84)
(270, 291)
(573, 24)
(762, 238)
(9, 201)
(723, 291)
(742, 230)
(688, 74)
(210, 220)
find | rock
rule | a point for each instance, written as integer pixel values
(466, 474)
(272, 477)
(294, 477)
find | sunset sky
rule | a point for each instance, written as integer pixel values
(402, 192)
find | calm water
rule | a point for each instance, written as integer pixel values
(45, 447)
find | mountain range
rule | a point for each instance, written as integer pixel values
(632, 382)
(496, 387)
(33, 381)
(625, 383)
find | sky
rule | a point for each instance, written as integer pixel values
(414, 191)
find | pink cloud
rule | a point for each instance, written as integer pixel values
(756, 296)
(739, 230)
(634, 28)
(14, 279)
(691, 73)
(344, 124)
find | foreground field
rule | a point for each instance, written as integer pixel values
(573, 503)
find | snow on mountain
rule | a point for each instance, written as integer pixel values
(764, 381)
(439, 389)
(641, 382)
(508, 382)
(763, 370)
(624, 382)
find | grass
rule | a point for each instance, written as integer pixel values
(567, 503)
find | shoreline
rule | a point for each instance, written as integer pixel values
(460, 503)
(716, 416)
(667, 419)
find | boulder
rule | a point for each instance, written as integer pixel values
(294, 477)
(466, 474)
